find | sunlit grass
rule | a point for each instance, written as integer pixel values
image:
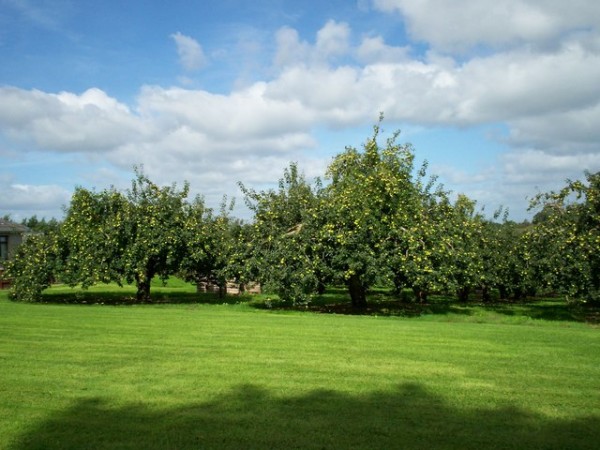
(228, 375)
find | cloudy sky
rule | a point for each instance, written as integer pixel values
(502, 97)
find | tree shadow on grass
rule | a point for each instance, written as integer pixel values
(335, 301)
(250, 417)
(557, 310)
(385, 304)
(93, 297)
(390, 308)
(380, 303)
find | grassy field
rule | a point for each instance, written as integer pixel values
(228, 375)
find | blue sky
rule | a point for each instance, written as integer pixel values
(501, 97)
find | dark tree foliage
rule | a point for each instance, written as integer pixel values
(41, 225)
(563, 246)
(109, 236)
(212, 243)
(285, 255)
(376, 221)
(371, 202)
(34, 265)
(154, 227)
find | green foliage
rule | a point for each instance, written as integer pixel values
(95, 235)
(506, 262)
(111, 236)
(416, 244)
(377, 221)
(154, 225)
(564, 244)
(370, 198)
(462, 231)
(211, 244)
(33, 266)
(285, 255)
(41, 225)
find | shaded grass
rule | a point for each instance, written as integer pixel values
(231, 376)
(382, 303)
(174, 291)
(519, 312)
(336, 301)
(249, 416)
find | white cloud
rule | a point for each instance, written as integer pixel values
(332, 40)
(333, 96)
(542, 96)
(547, 97)
(28, 200)
(538, 167)
(67, 122)
(560, 132)
(523, 83)
(290, 50)
(463, 24)
(373, 49)
(332, 43)
(191, 55)
(241, 116)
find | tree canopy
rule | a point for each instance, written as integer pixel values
(375, 220)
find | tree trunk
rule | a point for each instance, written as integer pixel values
(518, 293)
(486, 295)
(420, 294)
(358, 292)
(463, 293)
(503, 290)
(143, 292)
(399, 283)
(321, 287)
(222, 289)
(143, 289)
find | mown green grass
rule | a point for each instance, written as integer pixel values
(196, 375)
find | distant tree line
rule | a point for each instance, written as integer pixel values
(376, 220)
(36, 225)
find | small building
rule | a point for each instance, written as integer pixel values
(11, 235)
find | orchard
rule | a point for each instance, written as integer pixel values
(374, 220)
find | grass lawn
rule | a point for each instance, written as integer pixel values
(230, 376)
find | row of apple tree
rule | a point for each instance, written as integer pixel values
(376, 219)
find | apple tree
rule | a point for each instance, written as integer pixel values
(284, 254)
(211, 243)
(94, 237)
(414, 248)
(131, 237)
(370, 197)
(34, 265)
(564, 243)
(154, 228)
